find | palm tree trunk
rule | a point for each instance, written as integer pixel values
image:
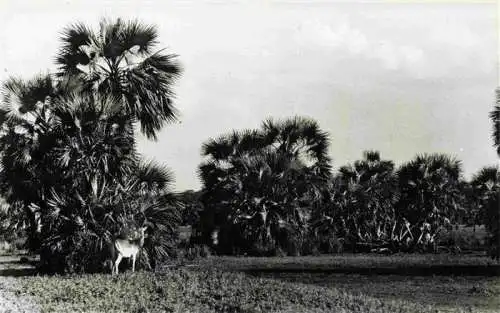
(33, 240)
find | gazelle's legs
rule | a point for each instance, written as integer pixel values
(133, 262)
(117, 263)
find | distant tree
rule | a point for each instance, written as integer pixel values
(264, 182)
(191, 207)
(431, 195)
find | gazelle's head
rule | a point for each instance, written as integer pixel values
(141, 232)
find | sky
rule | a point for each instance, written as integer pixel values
(398, 77)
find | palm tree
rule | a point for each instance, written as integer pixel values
(495, 119)
(119, 60)
(431, 195)
(264, 179)
(362, 200)
(66, 152)
(80, 228)
(484, 186)
(25, 117)
(68, 143)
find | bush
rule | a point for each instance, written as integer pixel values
(192, 252)
(465, 237)
(198, 251)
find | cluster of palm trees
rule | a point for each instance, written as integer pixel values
(271, 190)
(68, 157)
(265, 176)
(73, 180)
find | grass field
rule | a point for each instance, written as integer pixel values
(290, 284)
(446, 293)
(182, 290)
(349, 260)
(471, 282)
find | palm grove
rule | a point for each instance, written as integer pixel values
(73, 180)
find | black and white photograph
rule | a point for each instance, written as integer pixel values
(251, 156)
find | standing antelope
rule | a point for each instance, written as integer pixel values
(127, 248)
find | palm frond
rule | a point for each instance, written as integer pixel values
(136, 34)
(72, 38)
(485, 175)
(371, 156)
(154, 176)
(118, 60)
(21, 97)
(495, 119)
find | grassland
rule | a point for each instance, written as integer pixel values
(446, 293)
(352, 261)
(447, 282)
(291, 284)
(182, 290)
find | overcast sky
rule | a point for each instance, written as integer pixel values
(400, 78)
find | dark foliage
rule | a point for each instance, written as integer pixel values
(69, 159)
(260, 185)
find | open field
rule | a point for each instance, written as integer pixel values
(181, 290)
(445, 281)
(290, 284)
(352, 261)
(446, 293)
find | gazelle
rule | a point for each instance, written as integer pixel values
(127, 248)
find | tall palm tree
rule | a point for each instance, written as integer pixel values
(68, 141)
(120, 59)
(69, 159)
(495, 119)
(261, 179)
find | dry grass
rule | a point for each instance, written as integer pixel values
(197, 291)
(214, 285)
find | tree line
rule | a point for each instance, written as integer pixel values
(272, 191)
(72, 179)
